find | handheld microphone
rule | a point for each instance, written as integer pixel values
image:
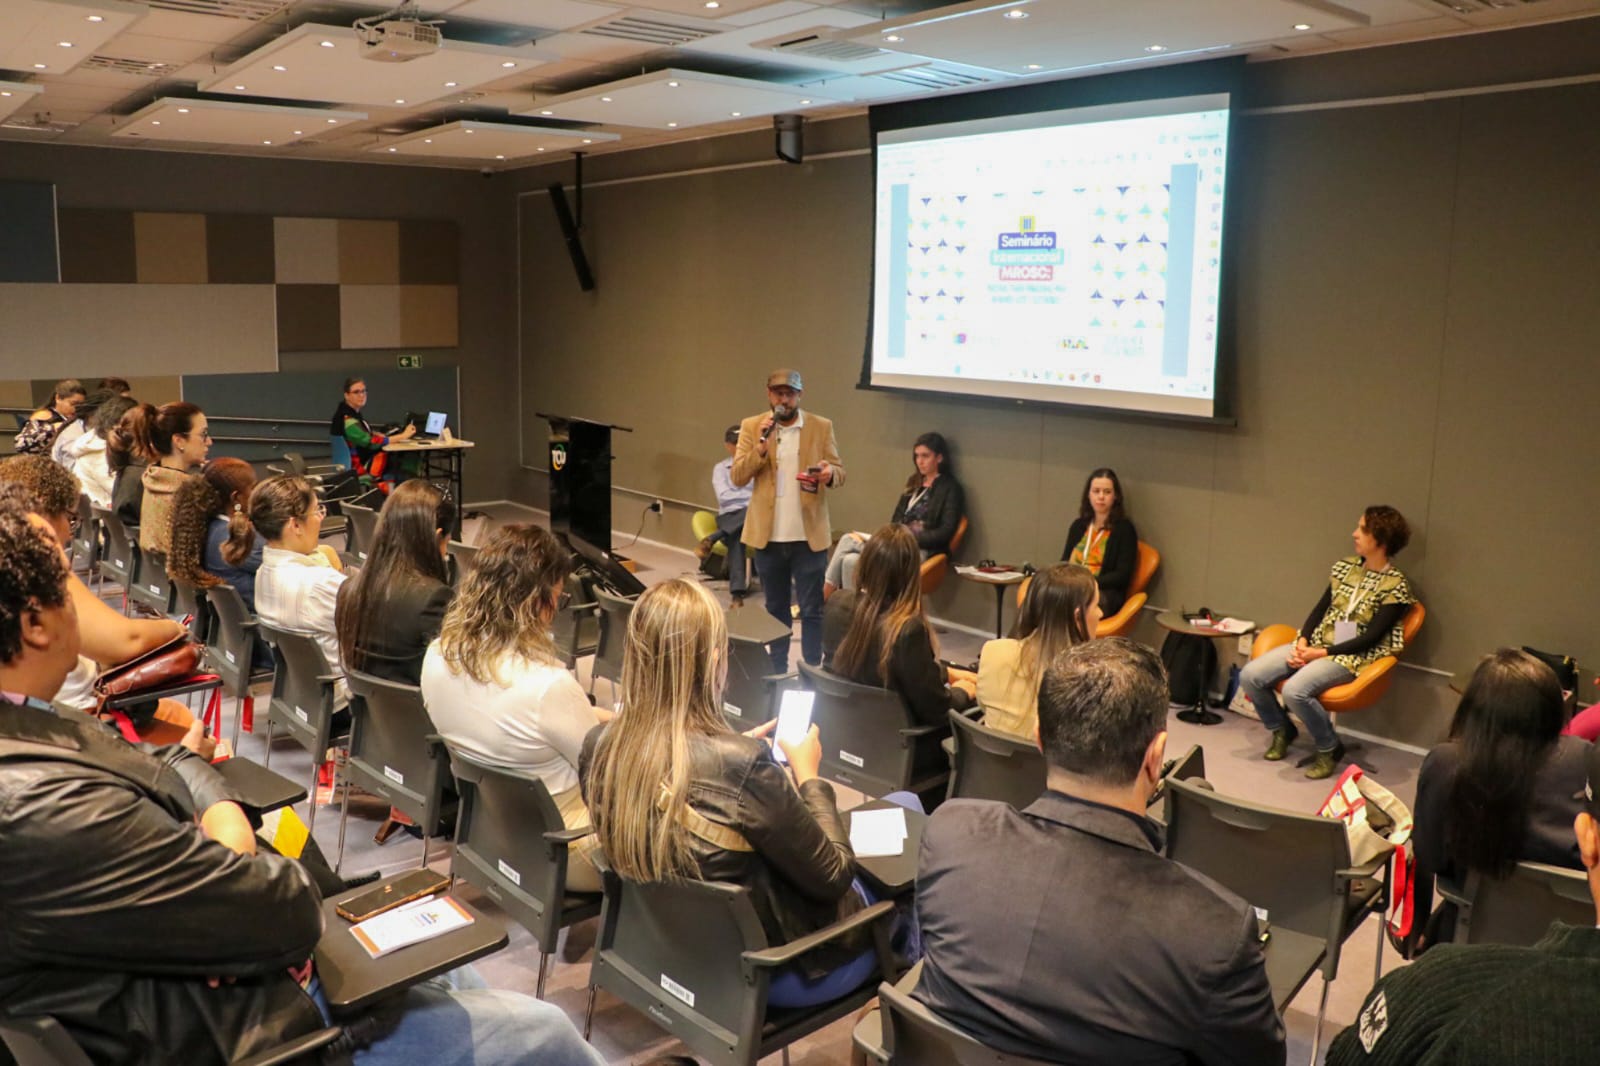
(777, 412)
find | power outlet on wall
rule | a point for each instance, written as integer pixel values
(1246, 642)
(656, 506)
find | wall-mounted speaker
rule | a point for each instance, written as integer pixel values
(569, 232)
(791, 137)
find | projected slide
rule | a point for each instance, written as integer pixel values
(1071, 257)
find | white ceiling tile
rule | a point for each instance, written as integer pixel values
(491, 142)
(14, 96)
(542, 14)
(338, 74)
(229, 122)
(808, 40)
(705, 9)
(590, 48)
(186, 26)
(756, 16)
(55, 36)
(159, 49)
(678, 99)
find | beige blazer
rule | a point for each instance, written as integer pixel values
(816, 444)
(1009, 704)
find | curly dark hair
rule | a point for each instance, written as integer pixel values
(33, 576)
(1388, 527)
(199, 500)
(53, 488)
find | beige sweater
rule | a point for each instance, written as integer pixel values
(155, 515)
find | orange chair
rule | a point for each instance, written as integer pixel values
(1119, 624)
(934, 567)
(1370, 683)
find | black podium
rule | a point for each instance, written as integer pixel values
(580, 477)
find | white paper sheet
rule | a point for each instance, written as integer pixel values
(415, 922)
(880, 833)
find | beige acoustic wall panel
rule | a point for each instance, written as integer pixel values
(369, 316)
(137, 330)
(369, 252)
(428, 316)
(169, 248)
(306, 250)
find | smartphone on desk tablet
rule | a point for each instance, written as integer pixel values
(794, 719)
(386, 897)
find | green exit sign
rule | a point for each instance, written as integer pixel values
(409, 362)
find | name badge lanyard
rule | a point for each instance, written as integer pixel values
(1091, 538)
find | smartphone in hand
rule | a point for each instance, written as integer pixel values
(794, 719)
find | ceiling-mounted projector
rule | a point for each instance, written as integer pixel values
(398, 36)
(398, 41)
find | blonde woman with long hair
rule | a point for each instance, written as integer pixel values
(497, 689)
(1062, 608)
(675, 794)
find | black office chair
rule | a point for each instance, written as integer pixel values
(302, 700)
(152, 587)
(1518, 909)
(362, 529)
(989, 764)
(231, 652)
(120, 561)
(192, 602)
(1295, 866)
(750, 696)
(512, 843)
(614, 614)
(869, 739)
(41, 1041)
(395, 753)
(575, 628)
(86, 541)
(913, 1035)
(692, 956)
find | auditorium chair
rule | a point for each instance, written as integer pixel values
(870, 741)
(1370, 682)
(935, 567)
(1121, 623)
(903, 1032)
(395, 753)
(988, 764)
(1519, 908)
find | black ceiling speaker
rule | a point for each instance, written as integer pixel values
(790, 131)
(569, 232)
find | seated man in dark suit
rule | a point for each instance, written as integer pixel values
(1060, 932)
(1491, 1003)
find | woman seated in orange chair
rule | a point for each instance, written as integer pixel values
(1357, 620)
(1062, 608)
(1102, 539)
(932, 507)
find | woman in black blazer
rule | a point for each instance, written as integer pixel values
(1103, 540)
(389, 612)
(932, 507)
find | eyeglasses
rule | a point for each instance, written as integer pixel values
(74, 523)
(320, 511)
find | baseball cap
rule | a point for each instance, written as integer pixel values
(784, 376)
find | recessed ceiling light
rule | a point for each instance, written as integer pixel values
(449, 85)
(154, 122)
(331, 121)
(499, 157)
(894, 38)
(299, 133)
(5, 92)
(605, 99)
(279, 67)
(508, 64)
(587, 141)
(427, 140)
(467, 132)
(1015, 13)
(183, 110)
(398, 100)
(39, 66)
(1155, 48)
(736, 114)
(266, 142)
(326, 44)
(541, 149)
(712, 5)
(670, 125)
(238, 88)
(394, 149)
(65, 44)
(805, 101)
(1302, 25)
(672, 85)
(94, 18)
(547, 112)
(1033, 66)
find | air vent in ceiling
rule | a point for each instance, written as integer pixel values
(248, 10)
(138, 68)
(1478, 7)
(657, 31)
(932, 76)
(820, 44)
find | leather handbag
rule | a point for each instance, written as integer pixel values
(173, 661)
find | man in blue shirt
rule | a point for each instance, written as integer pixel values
(732, 501)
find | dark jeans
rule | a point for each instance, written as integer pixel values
(779, 564)
(730, 526)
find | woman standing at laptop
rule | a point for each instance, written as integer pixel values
(367, 457)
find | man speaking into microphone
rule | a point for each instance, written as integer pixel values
(793, 459)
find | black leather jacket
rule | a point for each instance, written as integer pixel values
(800, 871)
(114, 908)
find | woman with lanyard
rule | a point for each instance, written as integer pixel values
(1102, 539)
(367, 456)
(932, 506)
(1356, 621)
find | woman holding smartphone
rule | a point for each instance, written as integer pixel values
(674, 793)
